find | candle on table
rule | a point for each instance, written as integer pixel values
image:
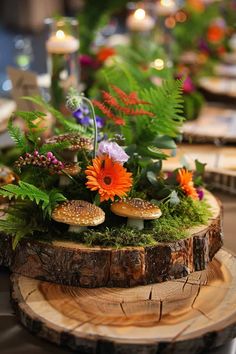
(61, 43)
(166, 7)
(140, 21)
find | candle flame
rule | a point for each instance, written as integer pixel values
(139, 14)
(158, 64)
(60, 34)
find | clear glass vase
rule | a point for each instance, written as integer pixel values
(140, 24)
(63, 58)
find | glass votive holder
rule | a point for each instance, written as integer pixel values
(140, 19)
(63, 58)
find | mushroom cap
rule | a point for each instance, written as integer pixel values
(76, 141)
(78, 212)
(7, 176)
(136, 208)
(72, 168)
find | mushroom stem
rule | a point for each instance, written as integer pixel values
(94, 124)
(135, 223)
(75, 157)
(64, 181)
(77, 229)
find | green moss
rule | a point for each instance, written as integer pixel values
(172, 225)
(176, 220)
(115, 237)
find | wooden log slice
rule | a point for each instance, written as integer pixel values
(75, 264)
(186, 315)
(221, 117)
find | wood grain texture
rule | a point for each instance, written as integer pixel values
(180, 316)
(74, 264)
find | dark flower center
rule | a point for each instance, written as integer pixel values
(107, 180)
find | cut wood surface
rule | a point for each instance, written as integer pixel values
(70, 263)
(179, 316)
(220, 164)
(215, 124)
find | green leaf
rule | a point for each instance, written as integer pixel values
(200, 167)
(164, 142)
(152, 178)
(174, 199)
(97, 199)
(156, 153)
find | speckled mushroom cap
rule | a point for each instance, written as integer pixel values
(78, 213)
(75, 140)
(72, 168)
(7, 176)
(136, 208)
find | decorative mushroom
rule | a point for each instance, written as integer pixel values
(76, 143)
(136, 210)
(78, 214)
(71, 169)
(7, 176)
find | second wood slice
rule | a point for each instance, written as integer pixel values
(180, 316)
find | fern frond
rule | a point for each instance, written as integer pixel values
(19, 223)
(28, 191)
(31, 117)
(167, 107)
(17, 136)
(108, 113)
(68, 124)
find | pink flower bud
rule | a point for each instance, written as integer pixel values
(50, 155)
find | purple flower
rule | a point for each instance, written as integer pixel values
(113, 150)
(82, 116)
(200, 193)
(88, 61)
(188, 85)
(203, 46)
(35, 159)
(100, 122)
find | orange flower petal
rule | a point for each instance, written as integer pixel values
(108, 177)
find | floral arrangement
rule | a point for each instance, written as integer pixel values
(99, 180)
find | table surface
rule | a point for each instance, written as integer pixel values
(14, 339)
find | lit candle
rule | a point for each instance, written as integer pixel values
(158, 64)
(140, 21)
(61, 43)
(166, 7)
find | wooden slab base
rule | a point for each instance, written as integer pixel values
(179, 316)
(70, 263)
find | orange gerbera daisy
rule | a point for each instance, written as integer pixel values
(109, 178)
(185, 179)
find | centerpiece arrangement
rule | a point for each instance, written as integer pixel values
(93, 207)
